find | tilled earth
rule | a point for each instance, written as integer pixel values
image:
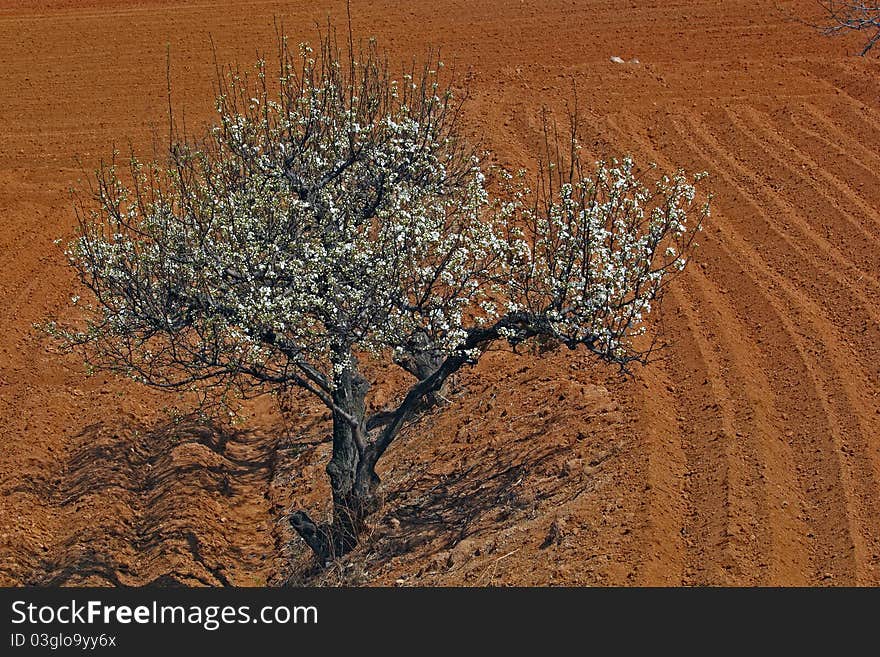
(748, 455)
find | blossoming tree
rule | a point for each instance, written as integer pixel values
(336, 215)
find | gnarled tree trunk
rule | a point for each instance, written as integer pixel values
(352, 467)
(351, 470)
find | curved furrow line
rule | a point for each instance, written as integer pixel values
(838, 563)
(743, 341)
(864, 162)
(807, 412)
(771, 144)
(862, 457)
(729, 422)
(834, 74)
(850, 431)
(726, 427)
(837, 411)
(707, 483)
(757, 538)
(699, 471)
(850, 125)
(739, 149)
(765, 526)
(833, 467)
(817, 286)
(707, 479)
(793, 278)
(664, 508)
(768, 229)
(845, 74)
(855, 319)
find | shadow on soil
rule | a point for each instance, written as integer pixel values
(149, 505)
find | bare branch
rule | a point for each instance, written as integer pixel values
(841, 16)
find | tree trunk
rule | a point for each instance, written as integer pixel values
(353, 479)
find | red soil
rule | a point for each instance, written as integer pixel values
(749, 455)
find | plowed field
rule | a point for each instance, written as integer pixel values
(750, 454)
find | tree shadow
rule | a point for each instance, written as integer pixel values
(432, 508)
(149, 504)
(445, 509)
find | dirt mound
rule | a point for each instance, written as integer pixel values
(164, 505)
(748, 455)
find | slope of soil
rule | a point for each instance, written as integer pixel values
(748, 455)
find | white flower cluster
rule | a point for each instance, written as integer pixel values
(593, 252)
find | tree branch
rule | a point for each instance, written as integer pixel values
(394, 420)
